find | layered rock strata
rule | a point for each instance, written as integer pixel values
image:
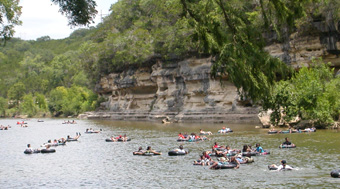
(180, 91)
(184, 91)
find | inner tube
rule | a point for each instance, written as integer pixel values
(121, 140)
(71, 139)
(149, 154)
(176, 153)
(226, 166)
(284, 132)
(225, 131)
(266, 152)
(29, 151)
(335, 173)
(287, 146)
(204, 133)
(272, 167)
(47, 150)
(272, 132)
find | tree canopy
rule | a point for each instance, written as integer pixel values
(78, 12)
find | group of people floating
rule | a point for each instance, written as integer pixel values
(191, 138)
(3, 127)
(232, 158)
(90, 130)
(47, 146)
(70, 122)
(227, 158)
(292, 130)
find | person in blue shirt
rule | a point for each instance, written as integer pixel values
(259, 149)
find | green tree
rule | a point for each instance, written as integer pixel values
(79, 12)
(16, 92)
(27, 106)
(10, 12)
(3, 106)
(40, 101)
(56, 100)
(312, 94)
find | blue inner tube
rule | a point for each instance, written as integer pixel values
(285, 132)
(47, 150)
(335, 173)
(28, 151)
(287, 146)
(176, 153)
(226, 166)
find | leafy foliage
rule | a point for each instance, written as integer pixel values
(3, 106)
(9, 18)
(312, 94)
(71, 101)
(79, 12)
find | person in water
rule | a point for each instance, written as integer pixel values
(205, 132)
(150, 150)
(139, 152)
(180, 149)
(207, 158)
(259, 149)
(29, 149)
(283, 166)
(124, 138)
(233, 160)
(221, 161)
(286, 142)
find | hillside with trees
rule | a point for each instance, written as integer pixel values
(59, 76)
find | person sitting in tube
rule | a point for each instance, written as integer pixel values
(180, 149)
(150, 150)
(259, 149)
(29, 149)
(124, 138)
(140, 151)
(205, 132)
(233, 160)
(283, 166)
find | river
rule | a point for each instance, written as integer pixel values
(93, 163)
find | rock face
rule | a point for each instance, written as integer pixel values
(183, 91)
(323, 40)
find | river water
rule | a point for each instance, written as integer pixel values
(93, 163)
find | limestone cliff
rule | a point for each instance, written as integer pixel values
(184, 90)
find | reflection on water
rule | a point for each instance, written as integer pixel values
(92, 162)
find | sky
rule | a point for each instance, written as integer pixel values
(42, 18)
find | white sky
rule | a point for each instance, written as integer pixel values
(42, 18)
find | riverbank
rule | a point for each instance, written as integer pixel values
(249, 116)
